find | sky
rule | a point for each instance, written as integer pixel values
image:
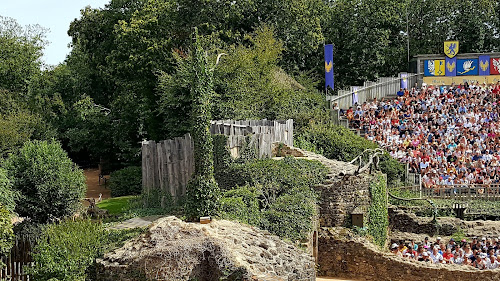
(55, 15)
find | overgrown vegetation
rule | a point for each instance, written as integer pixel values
(275, 195)
(378, 217)
(337, 142)
(6, 231)
(202, 190)
(67, 251)
(126, 181)
(8, 196)
(50, 185)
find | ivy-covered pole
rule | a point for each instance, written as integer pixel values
(202, 191)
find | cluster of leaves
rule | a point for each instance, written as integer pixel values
(275, 195)
(50, 185)
(126, 181)
(378, 217)
(67, 251)
(340, 143)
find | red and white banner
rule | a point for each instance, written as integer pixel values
(494, 66)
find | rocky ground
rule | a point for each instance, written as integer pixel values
(175, 250)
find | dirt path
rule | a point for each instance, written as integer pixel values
(332, 279)
(93, 187)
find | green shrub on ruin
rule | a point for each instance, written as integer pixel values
(276, 195)
(340, 143)
(378, 217)
(241, 204)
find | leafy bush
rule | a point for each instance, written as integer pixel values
(241, 203)
(127, 181)
(67, 251)
(337, 142)
(51, 186)
(274, 195)
(6, 232)
(290, 216)
(8, 195)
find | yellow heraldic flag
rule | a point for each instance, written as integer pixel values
(439, 68)
(451, 66)
(451, 48)
(328, 66)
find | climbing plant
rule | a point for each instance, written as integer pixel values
(202, 191)
(378, 220)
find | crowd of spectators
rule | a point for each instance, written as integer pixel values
(481, 254)
(447, 134)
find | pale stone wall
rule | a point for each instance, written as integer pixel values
(343, 255)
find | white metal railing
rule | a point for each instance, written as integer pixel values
(384, 86)
(458, 191)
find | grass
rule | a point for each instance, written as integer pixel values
(117, 205)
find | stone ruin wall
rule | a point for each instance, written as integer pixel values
(343, 255)
(340, 195)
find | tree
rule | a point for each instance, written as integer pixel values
(248, 84)
(20, 53)
(202, 191)
(50, 185)
(119, 52)
(18, 123)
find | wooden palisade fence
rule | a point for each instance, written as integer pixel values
(168, 165)
(16, 261)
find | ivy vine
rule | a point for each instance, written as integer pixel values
(202, 191)
(378, 217)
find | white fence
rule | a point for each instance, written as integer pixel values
(383, 87)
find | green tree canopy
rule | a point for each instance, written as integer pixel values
(50, 184)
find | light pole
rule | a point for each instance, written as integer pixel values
(407, 35)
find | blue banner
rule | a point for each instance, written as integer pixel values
(329, 67)
(484, 65)
(451, 66)
(404, 80)
(429, 68)
(467, 67)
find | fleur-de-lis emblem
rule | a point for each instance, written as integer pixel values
(328, 66)
(450, 66)
(484, 65)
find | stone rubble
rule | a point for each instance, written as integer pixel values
(222, 250)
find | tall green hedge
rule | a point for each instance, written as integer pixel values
(378, 217)
(340, 143)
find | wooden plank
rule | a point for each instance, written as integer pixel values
(168, 167)
(144, 168)
(159, 156)
(183, 165)
(175, 166)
